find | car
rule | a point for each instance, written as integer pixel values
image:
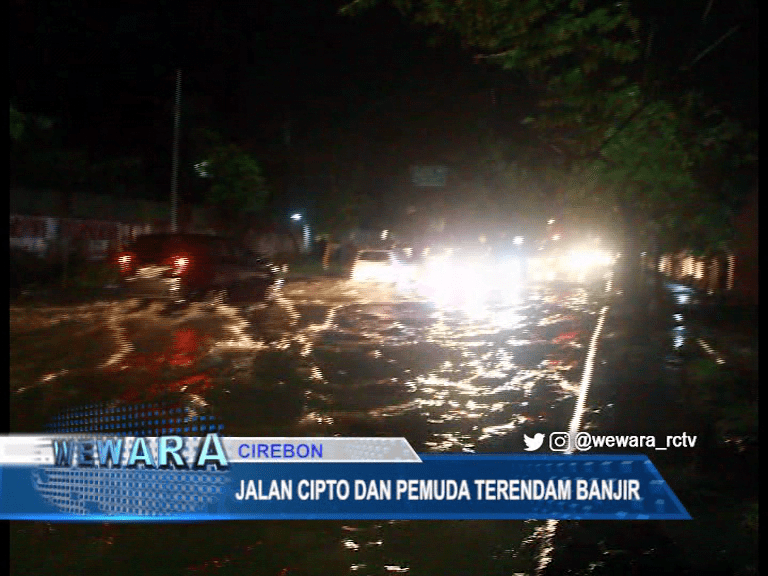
(378, 266)
(186, 267)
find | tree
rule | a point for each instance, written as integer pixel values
(237, 187)
(521, 181)
(632, 130)
(575, 56)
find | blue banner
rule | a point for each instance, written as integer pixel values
(438, 487)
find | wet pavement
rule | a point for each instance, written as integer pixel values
(326, 358)
(643, 385)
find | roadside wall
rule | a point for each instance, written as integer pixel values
(96, 224)
(39, 234)
(733, 273)
(99, 223)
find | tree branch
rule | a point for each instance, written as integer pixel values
(356, 7)
(713, 45)
(598, 151)
(495, 54)
(706, 11)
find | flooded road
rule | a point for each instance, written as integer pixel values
(326, 358)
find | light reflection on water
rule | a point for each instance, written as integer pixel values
(478, 356)
(474, 382)
(502, 429)
(678, 336)
(450, 379)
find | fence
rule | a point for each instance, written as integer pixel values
(712, 275)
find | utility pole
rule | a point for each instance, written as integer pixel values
(175, 163)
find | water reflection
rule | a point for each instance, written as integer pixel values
(331, 359)
(464, 377)
(678, 337)
(681, 293)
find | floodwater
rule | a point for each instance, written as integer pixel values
(327, 358)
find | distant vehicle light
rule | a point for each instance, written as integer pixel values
(518, 240)
(556, 237)
(585, 259)
(470, 279)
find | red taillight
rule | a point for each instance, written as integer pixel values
(179, 265)
(126, 261)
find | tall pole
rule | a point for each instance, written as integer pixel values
(175, 164)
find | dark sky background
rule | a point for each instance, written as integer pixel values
(258, 72)
(294, 81)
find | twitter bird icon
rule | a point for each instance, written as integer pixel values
(534, 443)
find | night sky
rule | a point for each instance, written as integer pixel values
(296, 82)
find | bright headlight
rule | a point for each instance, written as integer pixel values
(580, 259)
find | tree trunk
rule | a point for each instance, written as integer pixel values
(631, 268)
(641, 282)
(657, 281)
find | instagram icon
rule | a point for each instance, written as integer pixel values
(559, 441)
